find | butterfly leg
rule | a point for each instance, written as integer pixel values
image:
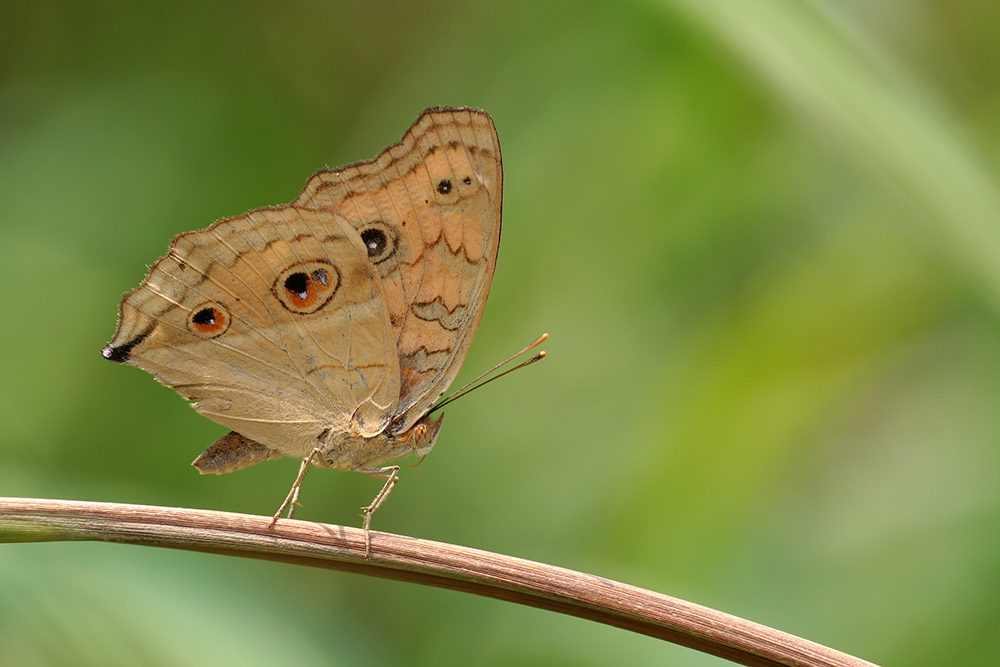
(391, 475)
(293, 495)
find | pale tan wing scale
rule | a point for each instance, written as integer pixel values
(274, 322)
(428, 209)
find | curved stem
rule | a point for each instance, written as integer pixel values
(419, 561)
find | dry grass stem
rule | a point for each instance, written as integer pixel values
(418, 561)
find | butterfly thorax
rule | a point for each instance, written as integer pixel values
(345, 451)
(351, 452)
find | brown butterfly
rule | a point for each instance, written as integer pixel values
(327, 328)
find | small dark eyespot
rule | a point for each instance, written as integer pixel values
(444, 187)
(375, 241)
(298, 284)
(320, 276)
(209, 320)
(205, 317)
(467, 180)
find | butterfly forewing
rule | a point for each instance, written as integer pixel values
(428, 211)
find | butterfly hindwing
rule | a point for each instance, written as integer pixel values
(273, 323)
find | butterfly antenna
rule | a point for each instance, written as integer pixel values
(468, 386)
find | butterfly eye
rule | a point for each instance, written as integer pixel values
(306, 287)
(209, 320)
(379, 242)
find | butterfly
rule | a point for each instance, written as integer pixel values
(327, 328)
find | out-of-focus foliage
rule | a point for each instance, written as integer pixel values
(764, 236)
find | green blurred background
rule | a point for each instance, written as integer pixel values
(764, 236)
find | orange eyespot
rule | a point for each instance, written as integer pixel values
(209, 320)
(307, 286)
